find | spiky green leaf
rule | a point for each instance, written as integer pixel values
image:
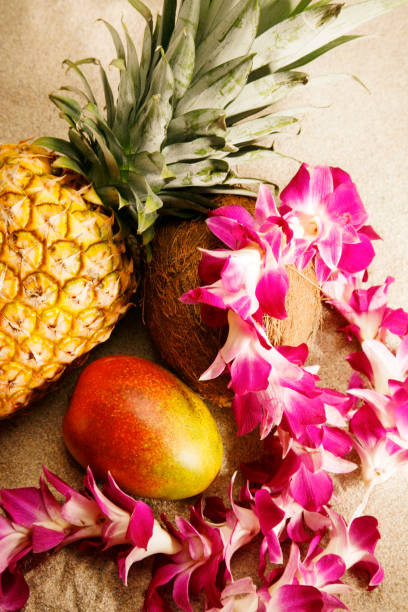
(306, 59)
(150, 128)
(68, 164)
(145, 58)
(214, 13)
(200, 148)
(120, 50)
(75, 66)
(203, 122)
(60, 146)
(258, 128)
(232, 37)
(302, 34)
(199, 174)
(265, 91)
(80, 143)
(144, 11)
(218, 87)
(68, 106)
(253, 154)
(132, 63)
(181, 56)
(167, 22)
(274, 11)
(151, 166)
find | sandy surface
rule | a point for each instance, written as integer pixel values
(364, 133)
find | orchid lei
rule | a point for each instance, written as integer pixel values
(307, 431)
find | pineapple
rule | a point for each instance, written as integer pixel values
(64, 275)
(199, 102)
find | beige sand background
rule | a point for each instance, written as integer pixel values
(364, 133)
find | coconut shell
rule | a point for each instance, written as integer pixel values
(186, 344)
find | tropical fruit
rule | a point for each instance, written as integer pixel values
(137, 420)
(173, 271)
(65, 278)
(199, 101)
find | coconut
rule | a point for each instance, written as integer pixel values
(185, 343)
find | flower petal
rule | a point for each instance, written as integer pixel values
(14, 591)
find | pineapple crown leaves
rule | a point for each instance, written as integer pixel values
(198, 101)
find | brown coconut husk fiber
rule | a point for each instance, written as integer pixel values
(186, 344)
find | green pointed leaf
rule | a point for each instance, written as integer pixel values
(80, 143)
(152, 167)
(167, 23)
(204, 173)
(120, 50)
(109, 159)
(301, 35)
(181, 57)
(60, 146)
(68, 106)
(132, 63)
(77, 91)
(202, 122)
(75, 66)
(194, 149)
(306, 59)
(214, 14)
(147, 237)
(145, 58)
(274, 11)
(144, 11)
(125, 107)
(218, 87)
(68, 164)
(231, 38)
(258, 128)
(188, 17)
(266, 91)
(119, 63)
(152, 203)
(149, 132)
(253, 154)
(106, 132)
(150, 128)
(109, 99)
(203, 20)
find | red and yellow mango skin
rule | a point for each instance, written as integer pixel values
(135, 419)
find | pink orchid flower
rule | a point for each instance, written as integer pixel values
(391, 410)
(245, 353)
(366, 309)
(252, 275)
(321, 448)
(39, 512)
(290, 593)
(80, 510)
(129, 522)
(355, 544)
(195, 566)
(380, 456)
(290, 400)
(239, 596)
(325, 213)
(380, 364)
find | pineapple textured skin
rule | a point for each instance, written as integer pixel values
(65, 277)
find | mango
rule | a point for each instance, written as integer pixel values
(135, 419)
